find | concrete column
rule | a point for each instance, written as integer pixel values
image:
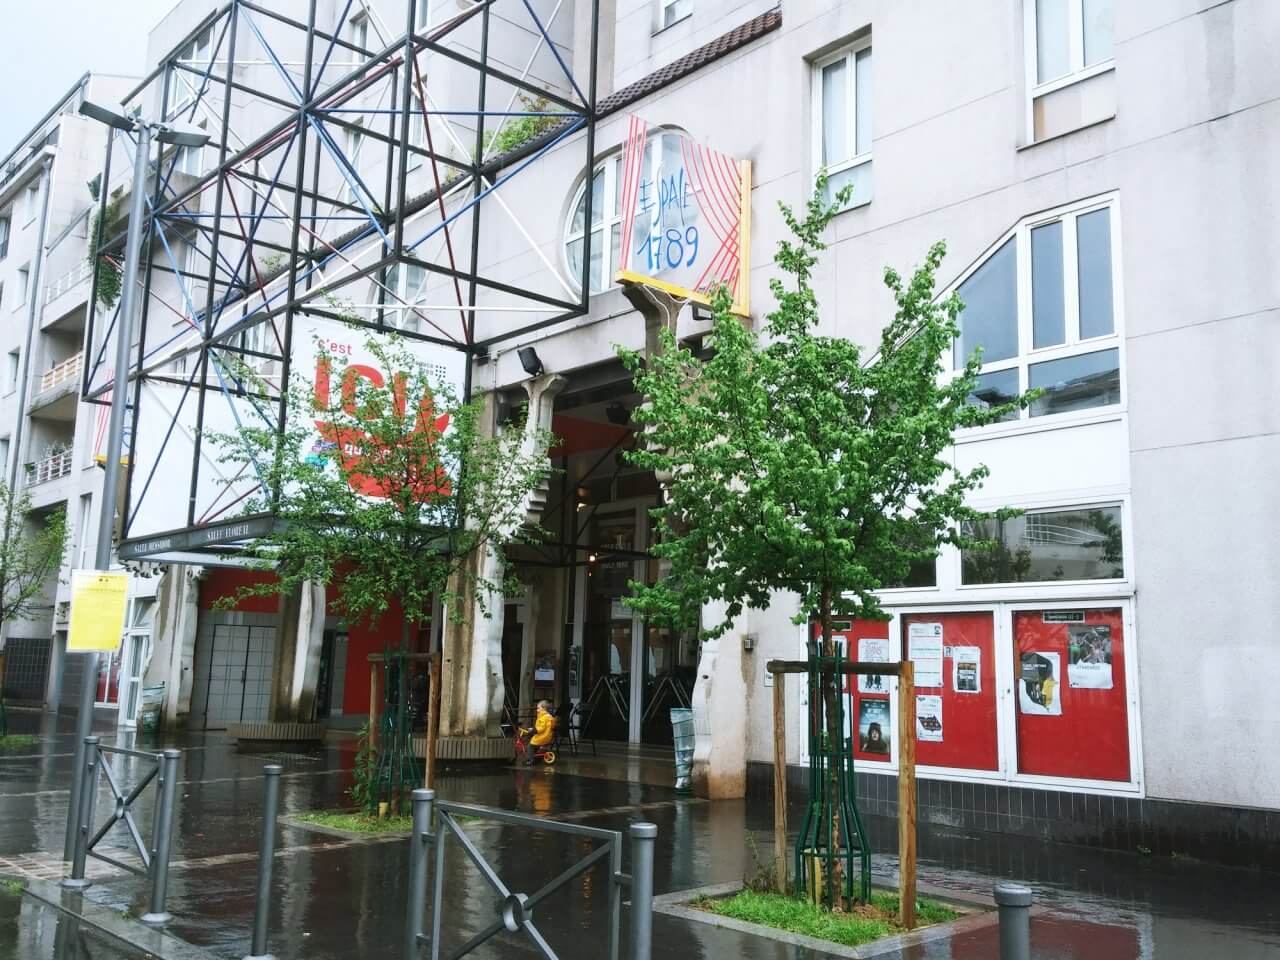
(299, 643)
(472, 694)
(720, 691)
(173, 638)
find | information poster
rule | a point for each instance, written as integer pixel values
(873, 726)
(929, 718)
(1039, 677)
(873, 651)
(1089, 656)
(924, 643)
(966, 669)
(97, 610)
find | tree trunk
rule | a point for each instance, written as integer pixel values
(835, 741)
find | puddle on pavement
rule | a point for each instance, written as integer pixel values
(33, 930)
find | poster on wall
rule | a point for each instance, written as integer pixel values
(924, 643)
(873, 726)
(1089, 656)
(929, 718)
(872, 651)
(1039, 677)
(966, 669)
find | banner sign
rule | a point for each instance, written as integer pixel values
(336, 359)
(97, 611)
(686, 224)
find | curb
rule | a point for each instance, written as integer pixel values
(977, 912)
(131, 933)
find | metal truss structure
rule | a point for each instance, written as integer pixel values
(353, 173)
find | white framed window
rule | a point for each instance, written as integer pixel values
(31, 201)
(360, 31)
(1062, 544)
(4, 455)
(4, 235)
(189, 160)
(417, 136)
(422, 15)
(1070, 38)
(842, 133)
(195, 58)
(86, 521)
(24, 281)
(409, 283)
(1044, 307)
(606, 221)
(671, 12)
(11, 371)
(355, 144)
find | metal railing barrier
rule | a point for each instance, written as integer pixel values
(154, 858)
(516, 913)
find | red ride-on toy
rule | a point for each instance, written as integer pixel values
(546, 753)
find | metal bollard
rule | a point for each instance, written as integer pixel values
(266, 860)
(84, 820)
(1014, 902)
(643, 840)
(162, 840)
(418, 840)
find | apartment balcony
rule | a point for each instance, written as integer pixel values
(56, 394)
(67, 294)
(50, 469)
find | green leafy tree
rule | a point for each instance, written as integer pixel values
(31, 551)
(800, 462)
(388, 492)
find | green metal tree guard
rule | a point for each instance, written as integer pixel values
(831, 785)
(397, 773)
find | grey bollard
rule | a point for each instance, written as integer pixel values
(1014, 903)
(84, 819)
(156, 914)
(266, 861)
(418, 840)
(643, 839)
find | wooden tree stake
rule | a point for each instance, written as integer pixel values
(780, 780)
(907, 795)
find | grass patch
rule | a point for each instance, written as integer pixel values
(18, 741)
(12, 887)
(866, 922)
(355, 822)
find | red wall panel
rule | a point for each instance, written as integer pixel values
(969, 737)
(224, 581)
(1090, 738)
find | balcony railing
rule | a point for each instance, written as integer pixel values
(50, 468)
(68, 369)
(76, 275)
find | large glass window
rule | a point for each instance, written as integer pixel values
(1080, 543)
(842, 96)
(606, 221)
(1042, 309)
(989, 319)
(1071, 36)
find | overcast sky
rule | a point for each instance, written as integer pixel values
(50, 43)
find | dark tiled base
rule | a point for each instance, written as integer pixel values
(1228, 835)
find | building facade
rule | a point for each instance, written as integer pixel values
(1104, 176)
(51, 444)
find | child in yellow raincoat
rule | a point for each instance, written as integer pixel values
(543, 732)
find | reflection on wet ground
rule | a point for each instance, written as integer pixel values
(31, 930)
(335, 898)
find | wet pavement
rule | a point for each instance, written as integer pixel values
(337, 898)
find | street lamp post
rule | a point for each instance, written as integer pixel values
(145, 130)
